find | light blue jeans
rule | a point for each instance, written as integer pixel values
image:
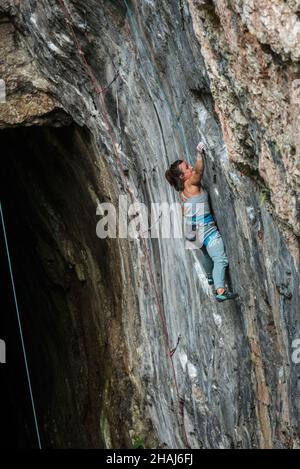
(215, 261)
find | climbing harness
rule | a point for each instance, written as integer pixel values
(116, 150)
(21, 332)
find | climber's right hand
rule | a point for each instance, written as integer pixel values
(200, 147)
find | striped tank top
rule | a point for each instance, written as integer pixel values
(198, 219)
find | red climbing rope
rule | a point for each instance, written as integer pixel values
(99, 92)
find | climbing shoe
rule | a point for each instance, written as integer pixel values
(227, 295)
(210, 280)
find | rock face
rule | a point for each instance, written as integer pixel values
(104, 312)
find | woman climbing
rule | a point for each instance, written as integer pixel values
(200, 226)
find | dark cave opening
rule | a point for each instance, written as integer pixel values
(63, 276)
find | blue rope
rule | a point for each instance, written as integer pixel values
(181, 134)
(21, 332)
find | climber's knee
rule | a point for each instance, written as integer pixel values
(225, 261)
(221, 261)
(217, 252)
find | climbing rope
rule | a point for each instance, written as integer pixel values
(101, 90)
(118, 114)
(120, 143)
(116, 151)
(175, 118)
(21, 331)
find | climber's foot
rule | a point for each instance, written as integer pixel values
(225, 295)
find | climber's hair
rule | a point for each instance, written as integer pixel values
(173, 176)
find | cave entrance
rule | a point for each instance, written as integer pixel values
(63, 274)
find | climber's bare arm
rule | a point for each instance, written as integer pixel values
(199, 167)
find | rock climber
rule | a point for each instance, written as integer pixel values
(200, 226)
